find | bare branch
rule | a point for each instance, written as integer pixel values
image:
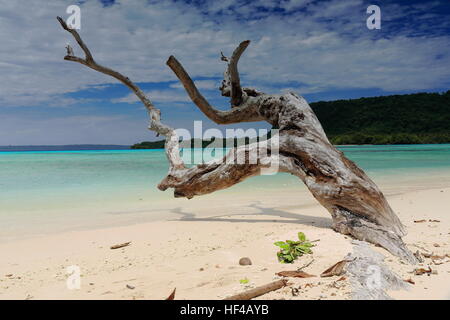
(172, 145)
(225, 172)
(222, 57)
(231, 86)
(77, 38)
(236, 90)
(69, 50)
(245, 113)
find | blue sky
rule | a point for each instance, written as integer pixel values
(319, 49)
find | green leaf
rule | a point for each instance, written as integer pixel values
(291, 250)
(301, 236)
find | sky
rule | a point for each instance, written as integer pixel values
(321, 50)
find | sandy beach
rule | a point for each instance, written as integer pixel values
(148, 148)
(198, 254)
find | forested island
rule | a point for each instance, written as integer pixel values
(195, 143)
(396, 119)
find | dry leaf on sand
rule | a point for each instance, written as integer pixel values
(295, 274)
(335, 270)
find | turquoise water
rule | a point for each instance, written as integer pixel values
(65, 189)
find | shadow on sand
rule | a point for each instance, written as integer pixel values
(288, 217)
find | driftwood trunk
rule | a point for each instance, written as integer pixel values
(358, 208)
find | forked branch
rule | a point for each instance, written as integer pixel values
(172, 145)
(77, 38)
(247, 112)
(231, 85)
(179, 177)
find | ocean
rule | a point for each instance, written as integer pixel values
(54, 191)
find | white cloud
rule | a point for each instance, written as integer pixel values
(25, 130)
(175, 93)
(200, 84)
(156, 96)
(136, 37)
(294, 4)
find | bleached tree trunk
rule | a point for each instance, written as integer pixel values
(358, 208)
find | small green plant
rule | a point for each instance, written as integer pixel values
(243, 281)
(291, 250)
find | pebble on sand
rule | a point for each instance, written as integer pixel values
(245, 261)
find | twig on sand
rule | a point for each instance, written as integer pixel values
(172, 295)
(305, 265)
(259, 291)
(118, 246)
(417, 246)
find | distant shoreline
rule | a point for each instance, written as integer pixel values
(94, 147)
(70, 147)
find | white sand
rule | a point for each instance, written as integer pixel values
(199, 256)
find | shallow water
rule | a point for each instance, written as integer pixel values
(64, 190)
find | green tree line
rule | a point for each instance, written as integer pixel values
(397, 119)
